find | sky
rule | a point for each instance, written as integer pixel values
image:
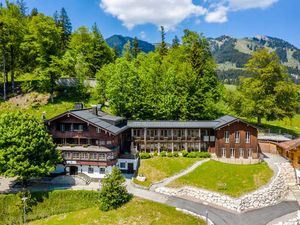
(213, 18)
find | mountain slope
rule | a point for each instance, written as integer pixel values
(231, 54)
(119, 41)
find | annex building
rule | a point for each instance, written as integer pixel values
(92, 142)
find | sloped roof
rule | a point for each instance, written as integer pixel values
(289, 145)
(89, 117)
(224, 120)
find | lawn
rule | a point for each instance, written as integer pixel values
(137, 211)
(158, 168)
(239, 179)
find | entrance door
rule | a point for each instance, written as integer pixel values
(73, 170)
(130, 167)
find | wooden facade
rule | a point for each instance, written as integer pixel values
(290, 150)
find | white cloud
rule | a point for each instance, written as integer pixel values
(168, 13)
(219, 15)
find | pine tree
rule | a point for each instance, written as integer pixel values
(22, 6)
(113, 193)
(135, 49)
(34, 12)
(175, 42)
(163, 50)
(65, 23)
(127, 51)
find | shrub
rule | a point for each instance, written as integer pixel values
(163, 154)
(175, 154)
(113, 193)
(192, 155)
(155, 153)
(203, 155)
(184, 153)
(170, 154)
(145, 155)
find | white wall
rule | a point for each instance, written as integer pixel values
(126, 161)
(96, 174)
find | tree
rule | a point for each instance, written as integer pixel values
(127, 51)
(175, 42)
(267, 93)
(163, 50)
(65, 23)
(113, 193)
(135, 49)
(26, 148)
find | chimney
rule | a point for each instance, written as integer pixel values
(95, 111)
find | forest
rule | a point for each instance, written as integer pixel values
(177, 82)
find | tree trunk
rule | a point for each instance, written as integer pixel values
(4, 77)
(259, 120)
(12, 69)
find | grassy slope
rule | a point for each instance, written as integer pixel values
(138, 211)
(239, 179)
(45, 204)
(158, 168)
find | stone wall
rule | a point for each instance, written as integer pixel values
(270, 194)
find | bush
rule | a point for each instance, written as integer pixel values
(175, 154)
(170, 154)
(163, 154)
(145, 155)
(203, 155)
(113, 193)
(155, 153)
(192, 155)
(184, 153)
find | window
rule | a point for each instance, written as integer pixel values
(62, 127)
(241, 152)
(98, 130)
(122, 165)
(102, 170)
(224, 152)
(84, 155)
(102, 156)
(248, 137)
(237, 137)
(94, 156)
(226, 136)
(298, 160)
(108, 142)
(232, 152)
(75, 155)
(250, 153)
(67, 155)
(90, 170)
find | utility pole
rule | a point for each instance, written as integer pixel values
(24, 208)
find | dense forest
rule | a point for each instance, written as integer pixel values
(175, 82)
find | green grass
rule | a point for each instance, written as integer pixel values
(137, 211)
(239, 179)
(284, 126)
(158, 168)
(45, 204)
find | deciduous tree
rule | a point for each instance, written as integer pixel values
(26, 148)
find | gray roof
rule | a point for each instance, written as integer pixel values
(218, 123)
(225, 120)
(172, 124)
(96, 120)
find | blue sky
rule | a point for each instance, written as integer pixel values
(237, 18)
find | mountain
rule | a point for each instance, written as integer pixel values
(231, 54)
(119, 41)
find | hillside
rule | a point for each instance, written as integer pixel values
(231, 53)
(119, 41)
